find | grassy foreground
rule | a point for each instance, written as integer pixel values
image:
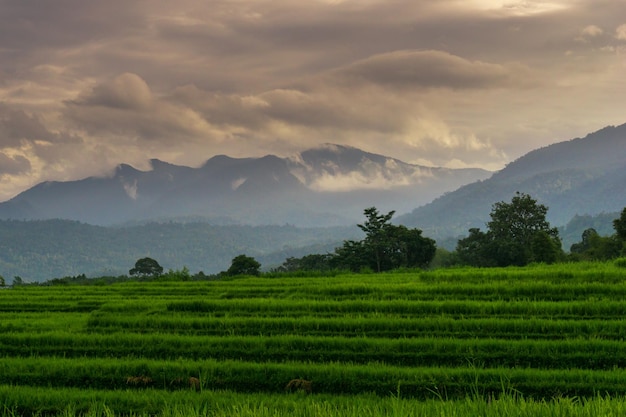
(75, 402)
(534, 341)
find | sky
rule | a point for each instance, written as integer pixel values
(86, 85)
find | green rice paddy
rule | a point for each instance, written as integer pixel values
(540, 340)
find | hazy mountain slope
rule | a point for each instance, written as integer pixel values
(46, 249)
(326, 186)
(580, 176)
(572, 232)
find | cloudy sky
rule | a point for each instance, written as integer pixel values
(87, 84)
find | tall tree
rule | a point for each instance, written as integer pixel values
(377, 236)
(244, 265)
(475, 249)
(409, 248)
(518, 233)
(146, 267)
(620, 226)
(386, 246)
(513, 227)
(595, 247)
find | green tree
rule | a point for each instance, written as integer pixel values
(588, 239)
(2, 281)
(351, 256)
(517, 234)
(514, 225)
(378, 237)
(475, 249)
(409, 249)
(244, 265)
(619, 225)
(146, 267)
(313, 262)
(545, 248)
(595, 247)
(385, 247)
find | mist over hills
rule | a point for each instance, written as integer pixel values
(203, 217)
(39, 250)
(326, 186)
(582, 176)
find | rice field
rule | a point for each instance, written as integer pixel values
(538, 340)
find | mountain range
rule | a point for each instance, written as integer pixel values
(582, 176)
(203, 217)
(325, 186)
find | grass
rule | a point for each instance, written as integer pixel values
(539, 340)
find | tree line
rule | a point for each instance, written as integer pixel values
(517, 234)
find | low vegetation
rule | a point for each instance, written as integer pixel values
(544, 338)
(536, 331)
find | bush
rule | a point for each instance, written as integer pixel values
(620, 262)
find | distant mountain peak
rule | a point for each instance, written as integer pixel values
(157, 164)
(340, 168)
(322, 186)
(126, 170)
(581, 176)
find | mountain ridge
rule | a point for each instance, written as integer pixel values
(581, 176)
(324, 186)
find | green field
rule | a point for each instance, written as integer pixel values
(539, 340)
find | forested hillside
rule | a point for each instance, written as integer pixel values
(583, 176)
(41, 250)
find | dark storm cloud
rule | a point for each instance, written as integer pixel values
(13, 165)
(18, 128)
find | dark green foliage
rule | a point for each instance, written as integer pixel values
(313, 262)
(602, 223)
(595, 247)
(244, 265)
(475, 249)
(517, 234)
(589, 237)
(620, 226)
(545, 248)
(379, 241)
(146, 267)
(385, 247)
(352, 256)
(515, 225)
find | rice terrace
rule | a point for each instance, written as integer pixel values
(539, 340)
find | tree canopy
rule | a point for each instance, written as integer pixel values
(146, 267)
(619, 225)
(244, 265)
(517, 234)
(386, 246)
(595, 247)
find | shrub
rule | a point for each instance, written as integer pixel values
(620, 262)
